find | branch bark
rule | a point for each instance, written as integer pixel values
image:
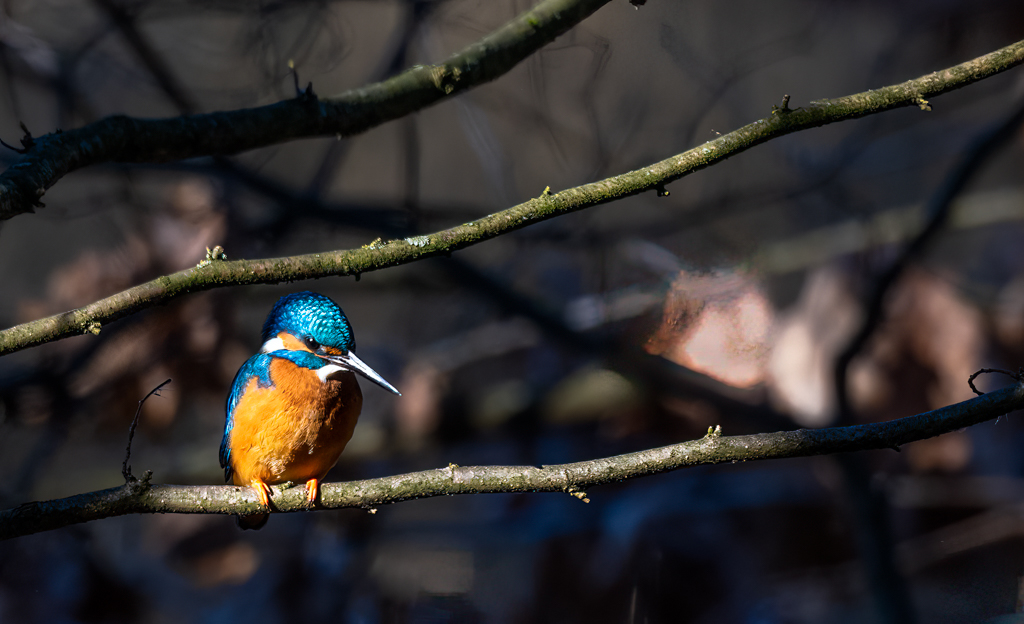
(90, 318)
(140, 497)
(128, 139)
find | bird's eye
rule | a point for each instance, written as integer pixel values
(311, 344)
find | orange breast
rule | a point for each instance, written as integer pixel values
(294, 430)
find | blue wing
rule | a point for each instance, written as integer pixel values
(257, 366)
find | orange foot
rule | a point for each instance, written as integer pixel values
(312, 491)
(262, 492)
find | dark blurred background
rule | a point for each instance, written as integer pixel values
(747, 280)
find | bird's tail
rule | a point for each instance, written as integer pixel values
(254, 522)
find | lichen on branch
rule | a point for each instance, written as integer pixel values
(380, 255)
(573, 479)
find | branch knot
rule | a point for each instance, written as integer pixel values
(445, 78)
(217, 254)
(137, 487)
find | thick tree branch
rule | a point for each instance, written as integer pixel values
(127, 139)
(140, 497)
(392, 253)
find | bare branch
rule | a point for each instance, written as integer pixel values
(939, 209)
(393, 253)
(575, 479)
(127, 139)
(888, 587)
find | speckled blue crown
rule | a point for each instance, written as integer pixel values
(311, 314)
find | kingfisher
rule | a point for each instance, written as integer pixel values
(293, 406)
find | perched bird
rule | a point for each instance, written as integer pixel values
(293, 405)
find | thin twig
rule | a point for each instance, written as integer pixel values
(970, 380)
(12, 148)
(126, 470)
(125, 22)
(295, 77)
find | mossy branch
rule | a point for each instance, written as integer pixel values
(141, 497)
(133, 140)
(90, 318)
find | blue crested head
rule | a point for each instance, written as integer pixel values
(310, 316)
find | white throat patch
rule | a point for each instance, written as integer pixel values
(274, 344)
(325, 371)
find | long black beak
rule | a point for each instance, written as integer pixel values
(350, 362)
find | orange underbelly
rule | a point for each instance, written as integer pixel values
(294, 430)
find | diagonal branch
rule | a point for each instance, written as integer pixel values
(128, 139)
(125, 22)
(575, 478)
(393, 253)
(888, 586)
(938, 210)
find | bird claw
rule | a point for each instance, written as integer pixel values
(312, 491)
(262, 493)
